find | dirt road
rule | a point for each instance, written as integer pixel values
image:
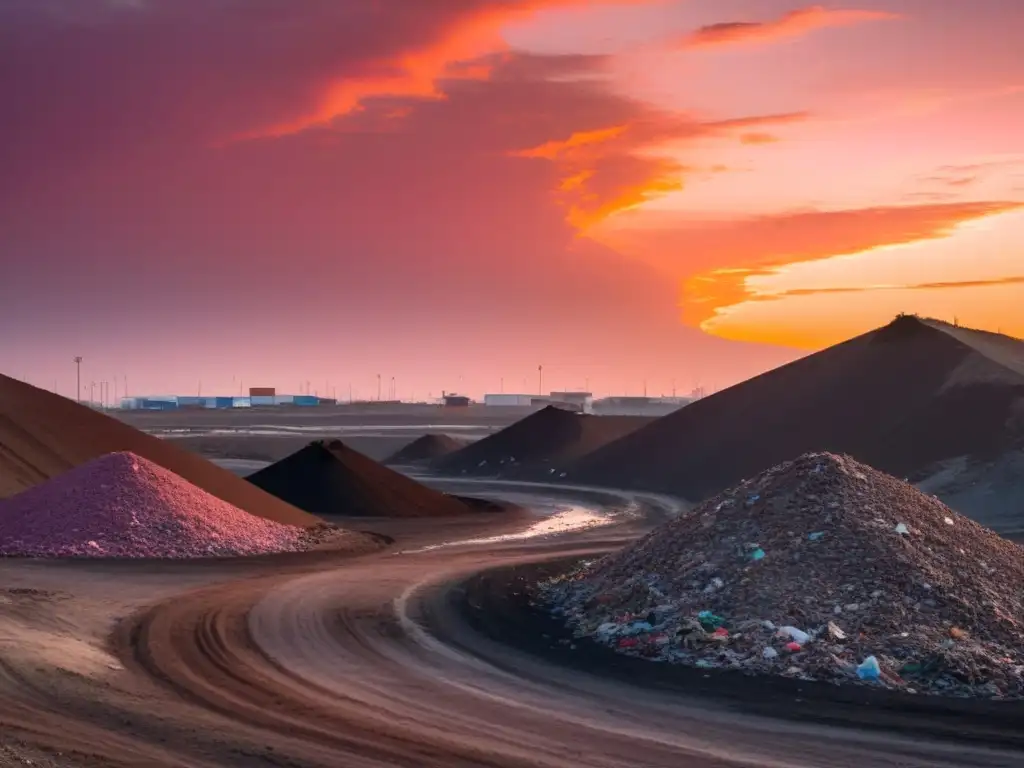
(326, 661)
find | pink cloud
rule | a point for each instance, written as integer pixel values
(793, 24)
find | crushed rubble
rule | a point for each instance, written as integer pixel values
(121, 505)
(820, 569)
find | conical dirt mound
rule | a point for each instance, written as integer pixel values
(121, 505)
(329, 478)
(859, 563)
(901, 398)
(426, 448)
(546, 440)
(43, 435)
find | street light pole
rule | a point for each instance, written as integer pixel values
(78, 379)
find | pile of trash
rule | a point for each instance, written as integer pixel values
(820, 569)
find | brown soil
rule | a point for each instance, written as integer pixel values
(900, 398)
(43, 435)
(547, 440)
(329, 478)
(427, 448)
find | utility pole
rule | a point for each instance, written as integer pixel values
(92, 393)
(378, 387)
(645, 387)
(394, 389)
(78, 379)
(540, 380)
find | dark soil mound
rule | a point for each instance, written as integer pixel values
(426, 448)
(809, 570)
(43, 435)
(543, 442)
(329, 478)
(900, 398)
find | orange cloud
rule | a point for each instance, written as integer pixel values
(416, 72)
(713, 259)
(610, 170)
(783, 241)
(551, 150)
(758, 138)
(793, 24)
(935, 286)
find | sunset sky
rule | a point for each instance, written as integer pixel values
(453, 192)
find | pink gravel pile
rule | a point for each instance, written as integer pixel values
(122, 505)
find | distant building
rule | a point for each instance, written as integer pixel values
(456, 401)
(508, 400)
(262, 391)
(194, 402)
(582, 401)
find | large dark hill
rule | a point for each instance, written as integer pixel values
(901, 398)
(551, 438)
(329, 478)
(426, 448)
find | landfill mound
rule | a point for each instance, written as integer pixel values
(329, 478)
(822, 569)
(426, 448)
(124, 506)
(43, 435)
(542, 443)
(901, 398)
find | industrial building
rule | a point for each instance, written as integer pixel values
(576, 401)
(186, 402)
(508, 400)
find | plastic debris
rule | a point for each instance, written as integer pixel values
(902, 529)
(757, 554)
(949, 520)
(709, 621)
(794, 647)
(769, 653)
(869, 669)
(795, 634)
(816, 536)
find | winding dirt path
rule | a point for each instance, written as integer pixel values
(355, 662)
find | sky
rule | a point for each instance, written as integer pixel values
(636, 195)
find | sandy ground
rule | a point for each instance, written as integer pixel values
(325, 660)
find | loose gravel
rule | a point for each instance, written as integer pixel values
(123, 506)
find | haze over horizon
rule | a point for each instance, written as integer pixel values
(273, 191)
